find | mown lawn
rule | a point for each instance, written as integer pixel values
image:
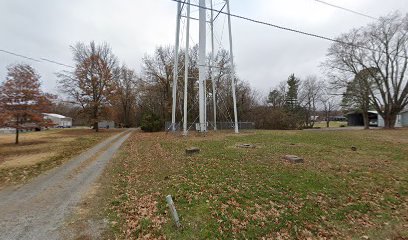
(226, 192)
(332, 124)
(41, 151)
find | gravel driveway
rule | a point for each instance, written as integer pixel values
(38, 209)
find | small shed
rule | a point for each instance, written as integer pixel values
(106, 124)
(339, 118)
(356, 118)
(404, 118)
(375, 119)
(58, 120)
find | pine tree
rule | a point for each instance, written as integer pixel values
(291, 100)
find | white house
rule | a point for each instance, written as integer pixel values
(7, 130)
(404, 118)
(375, 119)
(59, 120)
(380, 120)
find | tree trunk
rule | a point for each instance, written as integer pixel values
(308, 119)
(327, 119)
(96, 126)
(17, 133)
(96, 118)
(389, 120)
(366, 120)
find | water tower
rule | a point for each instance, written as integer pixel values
(203, 7)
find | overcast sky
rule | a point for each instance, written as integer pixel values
(264, 56)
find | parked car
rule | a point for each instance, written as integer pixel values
(373, 123)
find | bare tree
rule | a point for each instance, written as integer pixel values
(91, 83)
(222, 81)
(310, 93)
(330, 103)
(154, 87)
(22, 102)
(383, 46)
(126, 85)
(157, 81)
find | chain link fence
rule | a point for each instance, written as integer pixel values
(210, 126)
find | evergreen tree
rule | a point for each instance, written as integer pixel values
(291, 100)
(276, 98)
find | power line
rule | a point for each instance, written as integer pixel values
(19, 55)
(35, 60)
(346, 9)
(61, 64)
(287, 28)
(261, 22)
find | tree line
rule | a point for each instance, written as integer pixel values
(99, 89)
(366, 66)
(296, 104)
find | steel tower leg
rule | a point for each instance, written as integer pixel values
(202, 62)
(234, 97)
(211, 69)
(175, 73)
(186, 68)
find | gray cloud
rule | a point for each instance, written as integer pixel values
(264, 56)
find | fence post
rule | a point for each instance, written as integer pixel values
(173, 211)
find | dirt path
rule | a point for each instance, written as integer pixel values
(38, 209)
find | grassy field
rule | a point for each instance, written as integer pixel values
(226, 192)
(332, 124)
(40, 151)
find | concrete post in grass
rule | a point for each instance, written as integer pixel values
(173, 211)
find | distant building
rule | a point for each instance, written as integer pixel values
(7, 130)
(59, 121)
(106, 124)
(339, 118)
(374, 119)
(404, 118)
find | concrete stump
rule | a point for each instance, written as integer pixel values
(246, 145)
(192, 150)
(293, 159)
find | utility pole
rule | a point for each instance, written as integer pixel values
(186, 59)
(234, 97)
(175, 72)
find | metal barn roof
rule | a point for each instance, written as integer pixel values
(55, 115)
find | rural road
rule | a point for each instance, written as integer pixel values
(38, 209)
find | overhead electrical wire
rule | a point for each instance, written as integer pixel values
(35, 60)
(19, 55)
(286, 28)
(346, 9)
(52, 61)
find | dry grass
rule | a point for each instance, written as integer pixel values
(25, 160)
(40, 151)
(227, 192)
(332, 124)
